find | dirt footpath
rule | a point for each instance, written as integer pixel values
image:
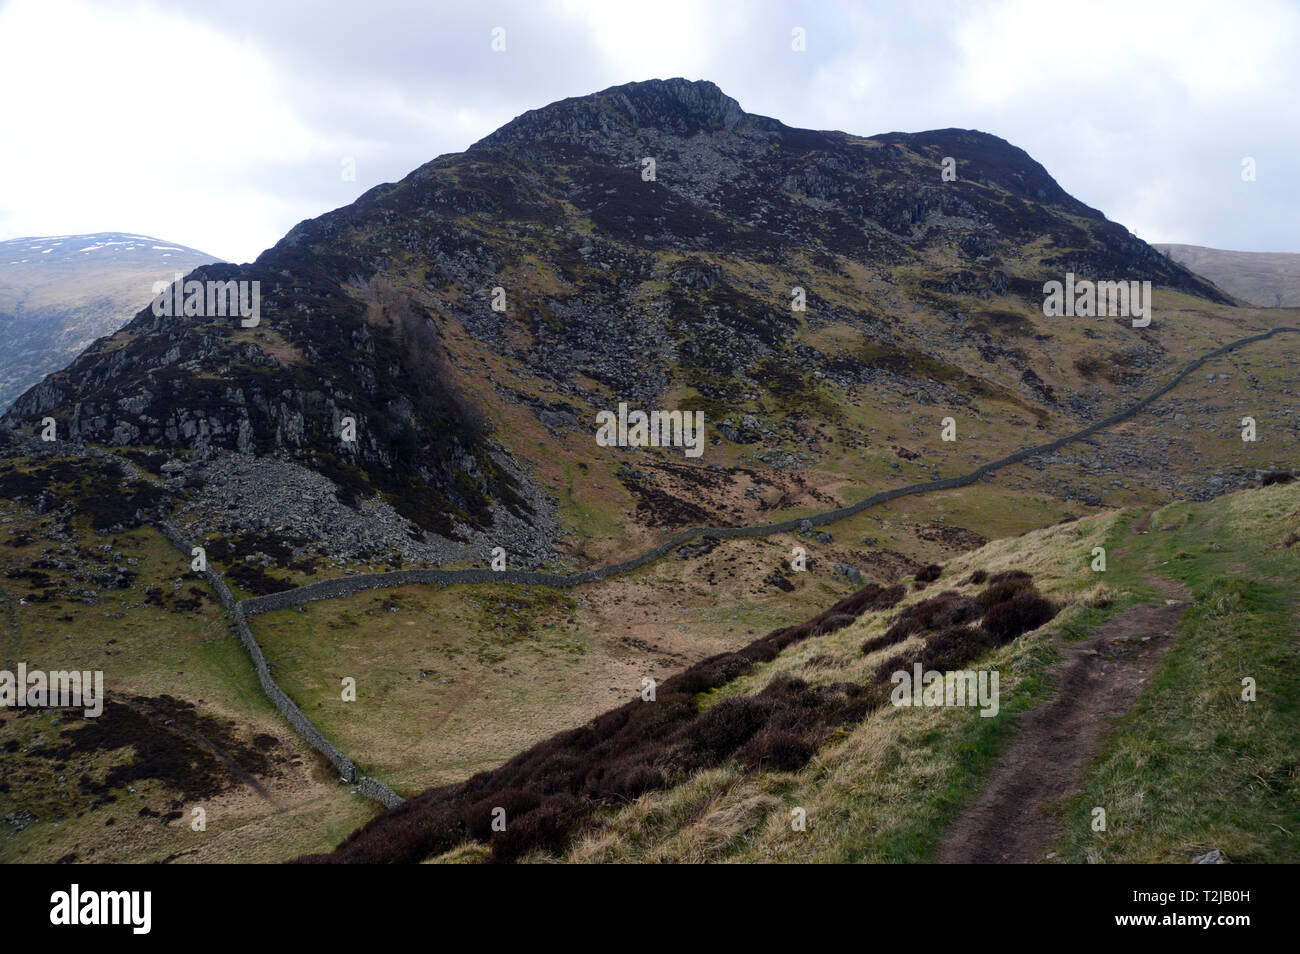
(1098, 680)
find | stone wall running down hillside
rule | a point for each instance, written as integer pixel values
(350, 585)
(370, 787)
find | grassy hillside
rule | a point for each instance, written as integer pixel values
(185, 726)
(1192, 767)
(476, 430)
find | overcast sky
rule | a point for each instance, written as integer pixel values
(220, 125)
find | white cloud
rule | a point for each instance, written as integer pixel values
(222, 123)
(138, 120)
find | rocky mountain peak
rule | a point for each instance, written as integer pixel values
(632, 245)
(673, 106)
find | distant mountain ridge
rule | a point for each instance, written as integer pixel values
(58, 293)
(1266, 279)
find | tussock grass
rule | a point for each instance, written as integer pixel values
(1193, 767)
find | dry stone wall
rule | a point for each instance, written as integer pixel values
(370, 787)
(350, 585)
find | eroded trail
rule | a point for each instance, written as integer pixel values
(1099, 679)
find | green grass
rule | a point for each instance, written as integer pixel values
(1193, 766)
(147, 649)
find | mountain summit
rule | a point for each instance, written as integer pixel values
(651, 244)
(879, 447)
(675, 107)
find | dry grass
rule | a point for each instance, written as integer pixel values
(146, 649)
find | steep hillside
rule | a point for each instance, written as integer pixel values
(1267, 279)
(921, 294)
(59, 293)
(351, 457)
(796, 749)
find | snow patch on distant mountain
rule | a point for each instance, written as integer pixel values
(58, 293)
